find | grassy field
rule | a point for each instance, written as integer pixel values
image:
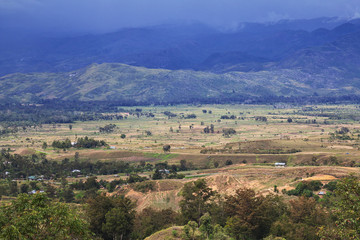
(252, 137)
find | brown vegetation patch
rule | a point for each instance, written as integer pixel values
(26, 151)
(321, 177)
(340, 147)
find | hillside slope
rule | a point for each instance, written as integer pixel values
(119, 82)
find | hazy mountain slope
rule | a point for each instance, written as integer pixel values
(122, 82)
(233, 61)
(340, 58)
(169, 46)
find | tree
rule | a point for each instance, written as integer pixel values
(24, 188)
(302, 220)
(13, 188)
(157, 175)
(228, 131)
(70, 126)
(77, 156)
(107, 128)
(118, 223)
(346, 211)
(289, 120)
(36, 217)
(183, 166)
(44, 145)
(50, 191)
(207, 129)
(67, 195)
(206, 228)
(92, 182)
(251, 216)
(228, 162)
(212, 128)
(190, 230)
(34, 186)
(111, 217)
(197, 199)
(149, 221)
(166, 148)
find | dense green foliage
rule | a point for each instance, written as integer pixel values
(111, 218)
(36, 217)
(206, 215)
(306, 188)
(35, 165)
(107, 128)
(85, 142)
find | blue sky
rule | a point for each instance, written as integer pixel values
(109, 15)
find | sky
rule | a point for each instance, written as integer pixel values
(100, 16)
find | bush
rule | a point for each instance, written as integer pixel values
(143, 186)
(305, 188)
(228, 162)
(228, 131)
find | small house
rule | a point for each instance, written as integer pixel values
(280, 164)
(32, 178)
(165, 171)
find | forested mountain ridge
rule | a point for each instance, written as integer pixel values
(119, 82)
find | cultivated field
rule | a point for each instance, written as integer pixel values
(315, 142)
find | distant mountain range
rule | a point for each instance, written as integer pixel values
(165, 64)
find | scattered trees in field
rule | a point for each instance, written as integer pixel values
(261, 118)
(169, 114)
(228, 117)
(107, 128)
(228, 132)
(210, 129)
(85, 142)
(66, 144)
(190, 116)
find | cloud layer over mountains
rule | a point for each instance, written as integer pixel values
(99, 16)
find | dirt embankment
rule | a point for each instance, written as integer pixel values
(227, 180)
